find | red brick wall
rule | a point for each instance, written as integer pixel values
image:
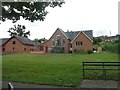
(0, 50)
(49, 42)
(87, 44)
(18, 47)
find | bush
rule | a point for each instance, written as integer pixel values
(79, 51)
(89, 51)
(57, 49)
(112, 47)
(76, 51)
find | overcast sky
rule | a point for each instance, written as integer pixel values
(101, 16)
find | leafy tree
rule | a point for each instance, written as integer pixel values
(42, 40)
(38, 41)
(31, 11)
(96, 40)
(18, 30)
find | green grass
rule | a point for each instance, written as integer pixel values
(50, 69)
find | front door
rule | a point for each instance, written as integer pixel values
(46, 49)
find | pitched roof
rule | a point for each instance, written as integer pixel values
(25, 40)
(63, 32)
(3, 41)
(21, 39)
(72, 34)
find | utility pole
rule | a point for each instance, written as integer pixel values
(110, 32)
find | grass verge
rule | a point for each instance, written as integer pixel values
(51, 69)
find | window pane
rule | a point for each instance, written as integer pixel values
(53, 42)
(76, 43)
(13, 42)
(63, 42)
(81, 43)
(58, 37)
(3, 49)
(58, 40)
(24, 49)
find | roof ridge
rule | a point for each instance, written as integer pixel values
(24, 40)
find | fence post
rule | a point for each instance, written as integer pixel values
(83, 71)
(104, 72)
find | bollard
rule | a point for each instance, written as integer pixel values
(10, 86)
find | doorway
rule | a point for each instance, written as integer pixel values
(46, 49)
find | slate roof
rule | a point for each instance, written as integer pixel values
(3, 41)
(25, 40)
(21, 39)
(72, 34)
(89, 33)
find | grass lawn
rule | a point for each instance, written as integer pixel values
(52, 69)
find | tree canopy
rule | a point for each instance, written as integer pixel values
(39, 40)
(19, 30)
(96, 40)
(31, 11)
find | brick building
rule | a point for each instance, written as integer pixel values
(69, 41)
(16, 44)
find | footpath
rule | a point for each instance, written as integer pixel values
(85, 85)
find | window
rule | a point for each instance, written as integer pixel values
(3, 49)
(79, 43)
(53, 42)
(63, 43)
(41, 48)
(24, 49)
(31, 49)
(13, 42)
(13, 48)
(58, 39)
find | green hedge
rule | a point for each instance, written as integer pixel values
(57, 49)
(82, 51)
(113, 47)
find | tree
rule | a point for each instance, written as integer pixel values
(19, 30)
(28, 10)
(36, 42)
(42, 40)
(96, 40)
(39, 40)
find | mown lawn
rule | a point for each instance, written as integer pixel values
(52, 69)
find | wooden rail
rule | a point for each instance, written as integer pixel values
(103, 67)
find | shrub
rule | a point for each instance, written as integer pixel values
(89, 51)
(112, 47)
(76, 51)
(57, 49)
(79, 51)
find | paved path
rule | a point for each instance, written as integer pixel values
(85, 85)
(25, 85)
(100, 84)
